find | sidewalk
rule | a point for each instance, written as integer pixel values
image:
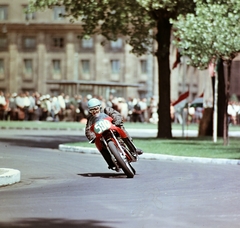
(161, 157)
(9, 176)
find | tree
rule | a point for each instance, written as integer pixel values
(134, 19)
(211, 33)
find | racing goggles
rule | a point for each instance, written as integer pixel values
(95, 109)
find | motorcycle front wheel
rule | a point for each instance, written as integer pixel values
(123, 163)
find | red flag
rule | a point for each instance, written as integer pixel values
(177, 60)
(181, 101)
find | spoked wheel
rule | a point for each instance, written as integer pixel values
(123, 163)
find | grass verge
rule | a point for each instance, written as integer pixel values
(192, 147)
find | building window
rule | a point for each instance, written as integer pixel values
(87, 43)
(1, 66)
(143, 66)
(3, 12)
(3, 43)
(29, 42)
(58, 11)
(28, 66)
(28, 69)
(29, 15)
(58, 42)
(85, 66)
(116, 44)
(115, 66)
(56, 68)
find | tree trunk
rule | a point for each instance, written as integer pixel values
(227, 81)
(206, 123)
(163, 39)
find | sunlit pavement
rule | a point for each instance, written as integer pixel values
(11, 176)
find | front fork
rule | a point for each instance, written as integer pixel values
(125, 153)
(115, 140)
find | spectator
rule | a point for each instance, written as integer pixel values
(232, 110)
(31, 106)
(55, 109)
(74, 107)
(26, 102)
(198, 114)
(130, 109)
(123, 108)
(84, 104)
(13, 107)
(137, 113)
(2, 105)
(81, 113)
(44, 108)
(20, 106)
(37, 108)
(109, 101)
(6, 115)
(172, 112)
(143, 106)
(151, 108)
(62, 106)
(68, 113)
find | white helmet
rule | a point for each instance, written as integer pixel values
(94, 102)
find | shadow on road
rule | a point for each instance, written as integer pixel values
(54, 223)
(42, 141)
(104, 175)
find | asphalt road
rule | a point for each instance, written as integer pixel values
(64, 189)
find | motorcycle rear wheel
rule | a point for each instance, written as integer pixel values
(126, 167)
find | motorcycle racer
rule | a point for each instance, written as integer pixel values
(94, 109)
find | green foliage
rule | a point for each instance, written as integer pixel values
(133, 19)
(212, 32)
(172, 8)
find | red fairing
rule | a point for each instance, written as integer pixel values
(111, 126)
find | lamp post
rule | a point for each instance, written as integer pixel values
(183, 90)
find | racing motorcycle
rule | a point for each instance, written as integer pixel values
(116, 141)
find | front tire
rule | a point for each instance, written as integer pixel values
(123, 163)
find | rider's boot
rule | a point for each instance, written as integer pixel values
(132, 147)
(108, 159)
(129, 142)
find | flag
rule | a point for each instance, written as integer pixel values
(177, 60)
(181, 101)
(197, 102)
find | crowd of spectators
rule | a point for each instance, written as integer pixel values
(38, 107)
(195, 114)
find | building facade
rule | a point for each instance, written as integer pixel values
(42, 52)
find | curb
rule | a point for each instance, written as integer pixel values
(9, 176)
(150, 156)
